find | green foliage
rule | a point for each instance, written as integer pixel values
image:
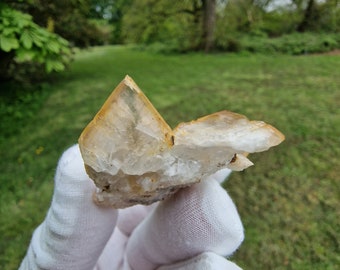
(112, 12)
(81, 31)
(319, 16)
(275, 23)
(294, 44)
(70, 19)
(24, 42)
(330, 16)
(174, 26)
(288, 201)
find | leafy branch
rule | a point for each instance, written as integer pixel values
(27, 42)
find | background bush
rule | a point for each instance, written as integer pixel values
(28, 51)
(252, 26)
(293, 44)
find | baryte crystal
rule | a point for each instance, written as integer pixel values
(134, 157)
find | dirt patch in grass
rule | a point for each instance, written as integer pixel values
(334, 52)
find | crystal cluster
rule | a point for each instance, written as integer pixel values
(134, 157)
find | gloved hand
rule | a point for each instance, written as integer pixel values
(194, 229)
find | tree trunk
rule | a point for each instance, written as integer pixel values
(209, 18)
(308, 17)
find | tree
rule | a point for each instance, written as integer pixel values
(112, 11)
(195, 21)
(309, 18)
(318, 15)
(209, 22)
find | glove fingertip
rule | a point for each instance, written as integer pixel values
(221, 175)
(206, 261)
(71, 162)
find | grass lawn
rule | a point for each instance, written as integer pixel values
(288, 201)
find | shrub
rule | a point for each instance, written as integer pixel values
(28, 50)
(230, 43)
(294, 44)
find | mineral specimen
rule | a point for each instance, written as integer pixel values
(134, 157)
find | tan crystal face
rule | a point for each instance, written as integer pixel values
(134, 157)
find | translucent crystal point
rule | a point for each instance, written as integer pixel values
(134, 157)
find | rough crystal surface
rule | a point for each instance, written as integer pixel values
(134, 157)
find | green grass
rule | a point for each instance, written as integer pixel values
(288, 201)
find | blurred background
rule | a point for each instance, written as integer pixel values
(271, 60)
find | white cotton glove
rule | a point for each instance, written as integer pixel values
(204, 261)
(195, 220)
(194, 229)
(75, 230)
